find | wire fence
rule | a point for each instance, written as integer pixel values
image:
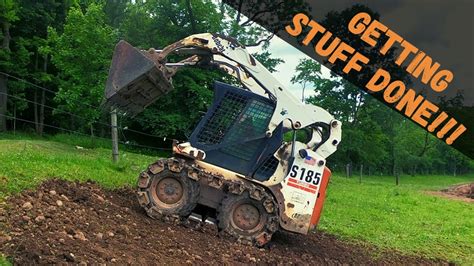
(127, 143)
(80, 103)
(56, 110)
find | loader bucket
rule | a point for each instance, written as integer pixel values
(135, 80)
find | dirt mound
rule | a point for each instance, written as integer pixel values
(464, 192)
(82, 223)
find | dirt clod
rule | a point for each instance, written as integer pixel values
(100, 198)
(100, 227)
(39, 218)
(27, 206)
(80, 236)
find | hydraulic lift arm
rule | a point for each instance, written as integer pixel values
(211, 50)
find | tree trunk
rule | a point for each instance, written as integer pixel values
(3, 102)
(43, 99)
(71, 123)
(4, 79)
(239, 10)
(35, 111)
(103, 132)
(394, 164)
(349, 169)
(221, 8)
(14, 119)
(191, 16)
(6, 36)
(41, 114)
(92, 135)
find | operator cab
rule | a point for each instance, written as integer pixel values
(232, 133)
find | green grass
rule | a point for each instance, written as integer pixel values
(24, 163)
(402, 217)
(4, 261)
(84, 141)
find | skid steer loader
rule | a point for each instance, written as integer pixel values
(236, 162)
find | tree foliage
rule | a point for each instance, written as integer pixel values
(66, 46)
(374, 135)
(82, 54)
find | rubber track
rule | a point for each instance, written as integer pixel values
(196, 174)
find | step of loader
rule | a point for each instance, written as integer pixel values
(197, 218)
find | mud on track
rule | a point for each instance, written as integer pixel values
(81, 223)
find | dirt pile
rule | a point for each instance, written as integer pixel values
(464, 192)
(82, 223)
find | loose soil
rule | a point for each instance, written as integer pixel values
(65, 222)
(464, 192)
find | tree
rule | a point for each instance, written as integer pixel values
(8, 14)
(265, 57)
(82, 55)
(115, 11)
(72, 57)
(32, 27)
(308, 72)
(344, 101)
(245, 18)
(163, 22)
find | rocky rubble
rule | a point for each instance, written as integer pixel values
(77, 223)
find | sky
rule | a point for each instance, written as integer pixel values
(280, 49)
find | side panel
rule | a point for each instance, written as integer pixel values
(318, 207)
(300, 191)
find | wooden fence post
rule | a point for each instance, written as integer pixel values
(113, 120)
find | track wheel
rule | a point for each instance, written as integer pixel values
(246, 219)
(167, 193)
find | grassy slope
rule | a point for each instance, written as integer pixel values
(376, 211)
(25, 163)
(4, 261)
(403, 217)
